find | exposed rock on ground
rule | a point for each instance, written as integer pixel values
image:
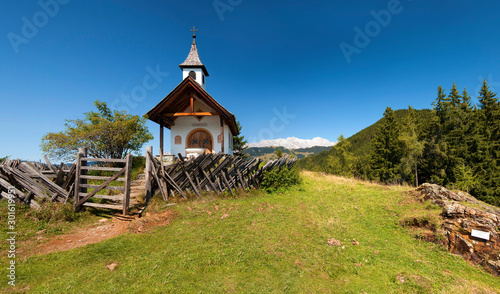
(461, 214)
(334, 242)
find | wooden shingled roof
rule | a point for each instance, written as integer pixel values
(179, 99)
(193, 59)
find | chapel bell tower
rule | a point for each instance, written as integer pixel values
(192, 66)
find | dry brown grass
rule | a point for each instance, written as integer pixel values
(468, 287)
(346, 180)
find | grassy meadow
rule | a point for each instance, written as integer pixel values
(267, 243)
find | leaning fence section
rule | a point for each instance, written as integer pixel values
(217, 173)
(31, 182)
(85, 181)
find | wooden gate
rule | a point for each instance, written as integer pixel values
(122, 175)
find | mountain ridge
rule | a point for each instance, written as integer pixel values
(293, 143)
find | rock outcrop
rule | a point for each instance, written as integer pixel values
(461, 214)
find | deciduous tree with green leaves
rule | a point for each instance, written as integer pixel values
(105, 133)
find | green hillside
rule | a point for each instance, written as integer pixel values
(266, 243)
(267, 153)
(360, 142)
(456, 145)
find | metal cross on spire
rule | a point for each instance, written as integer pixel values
(194, 32)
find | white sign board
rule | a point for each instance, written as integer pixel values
(480, 234)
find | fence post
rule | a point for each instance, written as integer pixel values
(147, 174)
(76, 197)
(83, 151)
(128, 169)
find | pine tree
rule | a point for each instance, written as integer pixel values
(488, 156)
(341, 161)
(454, 130)
(441, 104)
(471, 129)
(487, 99)
(386, 150)
(454, 97)
(465, 177)
(279, 153)
(413, 147)
(466, 101)
(490, 110)
(239, 143)
(434, 161)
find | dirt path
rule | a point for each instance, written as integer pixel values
(106, 229)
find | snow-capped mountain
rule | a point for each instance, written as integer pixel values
(293, 143)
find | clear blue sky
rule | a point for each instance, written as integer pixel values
(263, 57)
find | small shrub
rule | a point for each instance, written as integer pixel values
(278, 180)
(138, 165)
(138, 161)
(53, 212)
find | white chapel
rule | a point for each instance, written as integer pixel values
(198, 123)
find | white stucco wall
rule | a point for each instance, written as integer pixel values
(185, 124)
(228, 140)
(199, 75)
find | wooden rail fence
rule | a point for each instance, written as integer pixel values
(32, 182)
(218, 173)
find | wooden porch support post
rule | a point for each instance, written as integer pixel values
(161, 137)
(222, 133)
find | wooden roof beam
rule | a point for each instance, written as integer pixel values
(167, 121)
(190, 114)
